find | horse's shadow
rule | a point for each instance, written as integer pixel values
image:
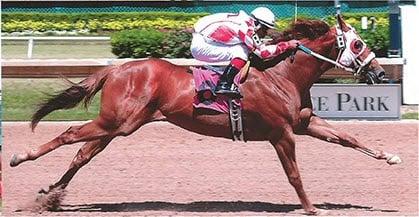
(207, 206)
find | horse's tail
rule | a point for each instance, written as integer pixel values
(71, 97)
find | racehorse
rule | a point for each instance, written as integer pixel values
(276, 103)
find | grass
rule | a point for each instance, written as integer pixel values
(411, 115)
(57, 49)
(21, 97)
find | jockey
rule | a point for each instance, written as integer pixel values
(231, 37)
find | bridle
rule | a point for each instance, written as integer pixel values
(341, 46)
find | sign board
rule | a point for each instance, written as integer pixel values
(356, 101)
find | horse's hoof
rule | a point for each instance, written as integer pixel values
(316, 212)
(14, 161)
(394, 159)
(42, 191)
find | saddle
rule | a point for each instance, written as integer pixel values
(206, 80)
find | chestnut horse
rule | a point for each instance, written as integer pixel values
(276, 104)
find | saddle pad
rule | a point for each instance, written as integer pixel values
(205, 82)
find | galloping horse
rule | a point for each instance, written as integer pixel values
(276, 103)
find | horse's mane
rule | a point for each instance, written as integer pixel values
(302, 28)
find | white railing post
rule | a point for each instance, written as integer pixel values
(30, 48)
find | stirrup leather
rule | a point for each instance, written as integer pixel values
(236, 121)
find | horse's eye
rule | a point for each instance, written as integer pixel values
(356, 46)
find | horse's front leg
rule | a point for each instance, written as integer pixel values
(319, 128)
(284, 145)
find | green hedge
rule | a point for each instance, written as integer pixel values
(151, 43)
(137, 43)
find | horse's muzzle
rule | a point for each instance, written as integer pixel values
(375, 78)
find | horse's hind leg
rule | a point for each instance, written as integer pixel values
(83, 156)
(52, 198)
(132, 122)
(320, 129)
(123, 124)
(86, 132)
(124, 108)
(92, 148)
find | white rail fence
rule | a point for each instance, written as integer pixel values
(31, 40)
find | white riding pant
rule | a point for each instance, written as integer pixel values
(210, 51)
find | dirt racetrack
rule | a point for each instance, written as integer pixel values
(164, 170)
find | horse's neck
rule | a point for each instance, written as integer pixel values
(307, 69)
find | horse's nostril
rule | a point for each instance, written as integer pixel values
(381, 75)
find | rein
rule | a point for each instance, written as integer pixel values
(321, 57)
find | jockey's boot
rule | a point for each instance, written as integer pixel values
(225, 84)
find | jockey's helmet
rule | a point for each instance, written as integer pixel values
(264, 16)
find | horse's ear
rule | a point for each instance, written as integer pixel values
(342, 23)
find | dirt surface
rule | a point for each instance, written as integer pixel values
(409, 109)
(164, 170)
